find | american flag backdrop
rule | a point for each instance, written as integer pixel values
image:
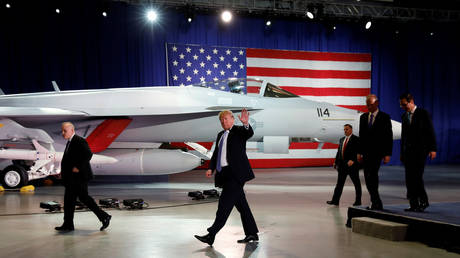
(343, 79)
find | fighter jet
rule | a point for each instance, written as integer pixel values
(129, 128)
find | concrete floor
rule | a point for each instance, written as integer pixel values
(288, 205)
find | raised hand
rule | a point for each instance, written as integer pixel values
(244, 117)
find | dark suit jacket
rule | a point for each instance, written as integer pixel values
(377, 140)
(236, 153)
(77, 155)
(418, 136)
(350, 153)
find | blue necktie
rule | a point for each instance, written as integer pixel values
(371, 120)
(219, 154)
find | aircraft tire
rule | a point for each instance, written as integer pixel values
(13, 177)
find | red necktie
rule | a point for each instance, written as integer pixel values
(344, 146)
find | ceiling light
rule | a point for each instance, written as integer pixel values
(226, 16)
(152, 15)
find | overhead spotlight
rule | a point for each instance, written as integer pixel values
(152, 15)
(431, 33)
(104, 14)
(58, 10)
(314, 11)
(268, 23)
(189, 13)
(226, 16)
(368, 25)
(8, 5)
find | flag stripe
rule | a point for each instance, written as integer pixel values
(308, 55)
(338, 100)
(307, 73)
(327, 91)
(319, 91)
(312, 145)
(308, 64)
(362, 108)
(317, 83)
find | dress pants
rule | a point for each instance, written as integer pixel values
(414, 167)
(371, 165)
(233, 195)
(80, 190)
(343, 172)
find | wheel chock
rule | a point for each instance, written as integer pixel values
(27, 189)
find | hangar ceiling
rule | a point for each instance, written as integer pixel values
(402, 10)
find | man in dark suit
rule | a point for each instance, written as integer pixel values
(417, 142)
(76, 172)
(232, 172)
(376, 144)
(347, 164)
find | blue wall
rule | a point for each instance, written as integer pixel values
(80, 49)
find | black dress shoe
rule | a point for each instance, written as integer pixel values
(357, 203)
(374, 208)
(414, 209)
(208, 239)
(424, 205)
(65, 228)
(332, 203)
(248, 239)
(105, 222)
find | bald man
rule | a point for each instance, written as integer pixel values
(76, 173)
(376, 145)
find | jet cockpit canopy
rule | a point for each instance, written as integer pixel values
(247, 86)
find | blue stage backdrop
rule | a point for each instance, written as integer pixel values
(81, 49)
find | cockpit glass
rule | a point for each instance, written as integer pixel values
(238, 86)
(246, 86)
(275, 92)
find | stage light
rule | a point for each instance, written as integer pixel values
(368, 25)
(268, 23)
(152, 15)
(104, 14)
(226, 16)
(8, 5)
(310, 15)
(189, 13)
(58, 11)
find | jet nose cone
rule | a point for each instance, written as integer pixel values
(396, 129)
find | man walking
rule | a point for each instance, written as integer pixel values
(376, 144)
(76, 172)
(347, 165)
(232, 172)
(417, 142)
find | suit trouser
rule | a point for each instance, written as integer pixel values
(233, 195)
(414, 167)
(342, 176)
(371, 166)
(80, 190)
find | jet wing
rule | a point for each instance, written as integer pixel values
(10, 130)
(37, 111)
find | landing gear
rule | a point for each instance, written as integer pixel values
(13, 177)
